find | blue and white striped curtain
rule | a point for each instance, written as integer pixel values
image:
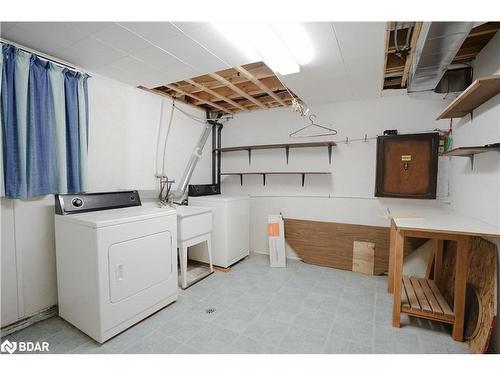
(44, 118)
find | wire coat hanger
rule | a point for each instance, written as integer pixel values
(329, 131)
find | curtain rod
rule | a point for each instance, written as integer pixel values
(42, 55)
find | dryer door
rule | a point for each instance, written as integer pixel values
(138, 264)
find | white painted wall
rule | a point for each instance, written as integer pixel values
(477, 192)
(123, 140)
(348, 195)
(122, 150)
(8, 304)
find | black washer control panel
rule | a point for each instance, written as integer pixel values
(67, 204)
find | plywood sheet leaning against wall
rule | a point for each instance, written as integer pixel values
(481, 307)
(363, 257)
(331, 244)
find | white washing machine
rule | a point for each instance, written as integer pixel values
(231, 229)
(116, 260)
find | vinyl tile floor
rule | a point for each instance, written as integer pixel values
(257, 309)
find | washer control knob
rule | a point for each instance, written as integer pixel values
(77, 202)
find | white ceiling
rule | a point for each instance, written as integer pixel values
(348, 57)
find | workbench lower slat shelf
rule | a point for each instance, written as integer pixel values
(422, 298)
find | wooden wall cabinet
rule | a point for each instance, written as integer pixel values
(407, 166)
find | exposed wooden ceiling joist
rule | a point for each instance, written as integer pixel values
(387, 36)
(220, 108)
(258, 70)
(259, 84)
(214, 93)
(237, 90)
(414, 38)
(243, 88)
(266, 100)
(485, 28)
(249, 88)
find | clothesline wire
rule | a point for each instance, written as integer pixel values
(366, 138)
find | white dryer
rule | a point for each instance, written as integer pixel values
(116, 260)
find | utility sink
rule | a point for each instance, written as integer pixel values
(193, 221)
(194, 226)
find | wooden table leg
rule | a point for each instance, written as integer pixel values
(398, 251)
(461, 265)
(390, 274)
(437, 246)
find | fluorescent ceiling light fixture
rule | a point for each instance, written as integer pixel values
(283, 47)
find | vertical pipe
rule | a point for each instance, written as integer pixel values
(214, 154)
(219, 144)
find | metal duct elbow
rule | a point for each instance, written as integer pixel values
(179, 194)
(435, 50)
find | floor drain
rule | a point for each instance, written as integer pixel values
(210, 310)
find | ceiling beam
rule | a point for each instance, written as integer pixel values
(387, 37)
(162, 93)
(216, 94)
(487, 28)
(480, 33)
(409, 57)
(235, 80)
(258, 94)
(395, 69)
(261, 72)
(236, 89)
(260, 85)
(220, 108)
(464, 56)
(250, 89)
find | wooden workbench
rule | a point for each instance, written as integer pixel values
(421, 297)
